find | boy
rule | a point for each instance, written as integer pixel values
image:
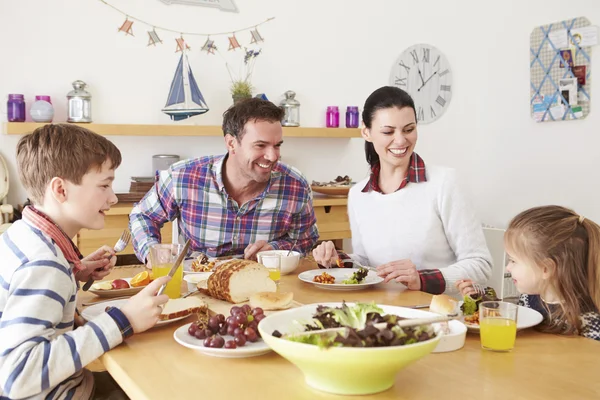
(68, 173)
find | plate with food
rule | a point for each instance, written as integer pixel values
(338, 187)
(341, 278)
(203, 263)
(122, 286)
(173, 310)
(235, 336)
(526, 317)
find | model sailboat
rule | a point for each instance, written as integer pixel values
(185, 99)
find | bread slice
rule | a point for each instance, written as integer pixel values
(177, 308)
(443, 304)
(236, 280)
(272, 300)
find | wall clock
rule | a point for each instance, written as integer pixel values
(424, 72)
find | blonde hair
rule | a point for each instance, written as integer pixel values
(569, 245)
(61, 150)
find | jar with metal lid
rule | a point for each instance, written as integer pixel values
(291, 106)
(162, 162)
(79, 107)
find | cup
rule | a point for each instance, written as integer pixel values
(273, 264)
(162, 257)
(498, 325)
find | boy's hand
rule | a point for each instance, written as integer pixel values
(143, 309)
(97, 265)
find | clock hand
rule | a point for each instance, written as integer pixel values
(428, 79)
(421, 75)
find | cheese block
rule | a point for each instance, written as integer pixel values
(178, 308)
(236, 280)
(272, 300)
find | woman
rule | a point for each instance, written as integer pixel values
(410, 221)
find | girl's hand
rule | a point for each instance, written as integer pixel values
(325, 254)
(403, 271)
(465, 287)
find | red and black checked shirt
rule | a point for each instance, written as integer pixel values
(432, 280)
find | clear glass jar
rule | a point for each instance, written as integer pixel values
(15, 108)
(291, 107)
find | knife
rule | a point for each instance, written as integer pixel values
(175, 265)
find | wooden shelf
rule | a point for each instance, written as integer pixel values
(22, 128)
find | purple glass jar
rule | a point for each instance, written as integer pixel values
(15, 108)
(352, 117)
(333, 117)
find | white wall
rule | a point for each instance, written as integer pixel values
(329, 52)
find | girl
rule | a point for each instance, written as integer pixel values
(555, 264)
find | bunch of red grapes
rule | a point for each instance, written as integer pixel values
(242, 324)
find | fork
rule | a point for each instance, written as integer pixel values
(356, 264)
(479, 289)
(119, 247)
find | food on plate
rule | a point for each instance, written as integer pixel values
(324, 278)
(236, 280)
(272, 300)
(120, 284)
(359, 319)
(141, 279)
(339, 181)
(357, 277)
(202, 264)
(177, 308)
(444, 305)
(102, 285)
(234, 331)
(470, 306)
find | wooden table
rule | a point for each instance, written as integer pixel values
(152, 365)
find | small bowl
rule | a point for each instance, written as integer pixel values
(288, 263)
(344, 370)
(454, 340)
(193, 278)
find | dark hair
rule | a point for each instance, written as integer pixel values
(253, 109)
(64, 150)
(384, 97)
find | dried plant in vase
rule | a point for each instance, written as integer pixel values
(241, 88)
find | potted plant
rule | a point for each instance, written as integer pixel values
(240, 90)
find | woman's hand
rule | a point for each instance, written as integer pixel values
(97, 265)
(465, 287)
(325, 254)
(403, 271)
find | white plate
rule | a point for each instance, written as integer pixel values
(526, 318)
(340, 274)
(117, 292)
(250, 349)
(92, 312)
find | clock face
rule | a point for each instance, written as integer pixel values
(425, 73)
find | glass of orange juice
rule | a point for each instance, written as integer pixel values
(162, 257)
(498, 325)
(273, 263)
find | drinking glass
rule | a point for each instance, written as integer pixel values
(162, 257)
(498, 325)
(273, 263)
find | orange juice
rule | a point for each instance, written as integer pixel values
(275, 275)
(498, 333)
(173, 288)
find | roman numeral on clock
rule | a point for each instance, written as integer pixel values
(444, 72)
(440, 100)
(400, 81)
(415, 57)
(420, 114)
(426, 55)
(432, 112)
(407, 68)
(445, 88)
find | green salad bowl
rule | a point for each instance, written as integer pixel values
(344, 370)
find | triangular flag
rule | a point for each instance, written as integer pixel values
(126, 27)
(153, 38)
(233, 43)
(256, 38)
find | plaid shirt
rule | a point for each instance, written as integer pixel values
(192, 191)
(432, 280)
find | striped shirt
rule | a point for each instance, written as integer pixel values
(192, 191)
(41, 355)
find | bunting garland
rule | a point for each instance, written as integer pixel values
(209, 46)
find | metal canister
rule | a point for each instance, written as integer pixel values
(291, 106)
(161, 162)
(79, 108)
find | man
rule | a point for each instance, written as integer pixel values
(242, 202)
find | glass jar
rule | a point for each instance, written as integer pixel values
(79, 107)
(333, 117)
(352, 117)
(291, 107)
(42, 110)
(15, 108)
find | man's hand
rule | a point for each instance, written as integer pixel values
(252, 249)
(403, 271)
(97, 265)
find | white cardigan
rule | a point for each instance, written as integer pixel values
(431, 223)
